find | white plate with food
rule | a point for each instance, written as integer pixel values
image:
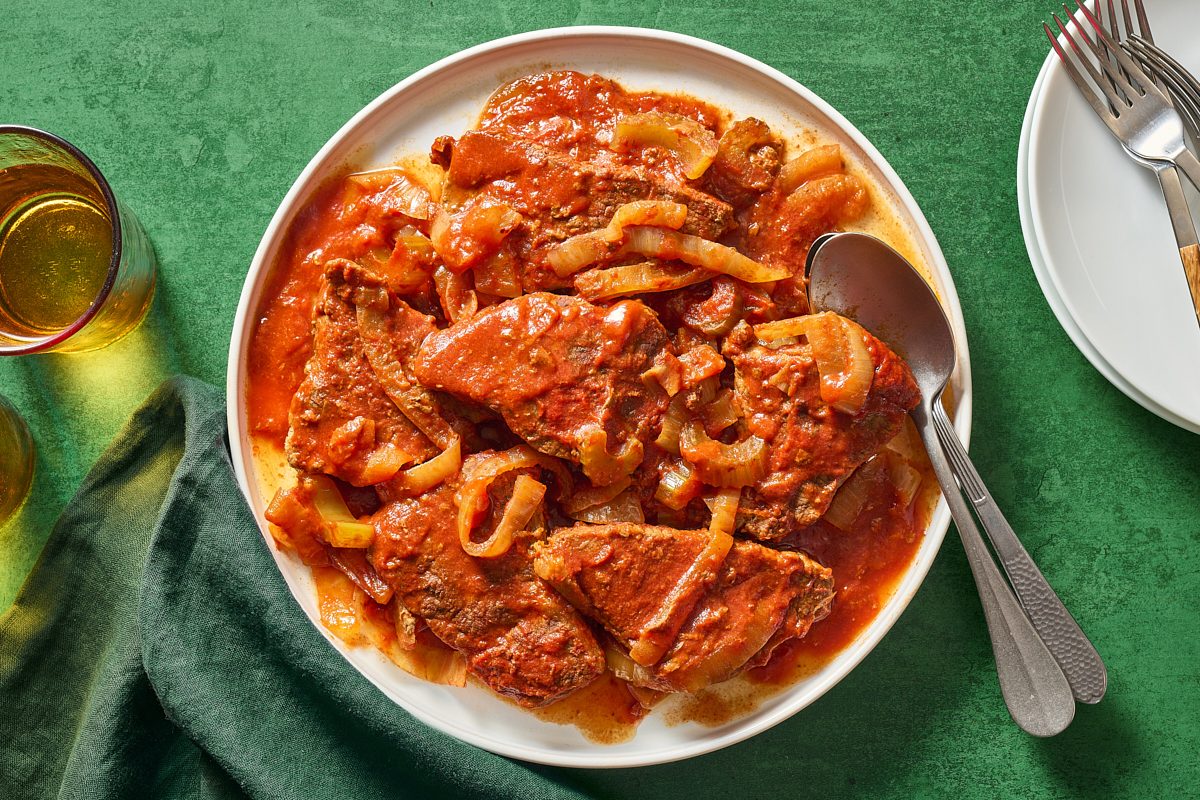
(530, 467)
(1101, 246)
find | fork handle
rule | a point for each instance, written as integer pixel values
(1190, 256)
(1184, 228)
(1058, 629)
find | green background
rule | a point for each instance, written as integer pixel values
(202, 114)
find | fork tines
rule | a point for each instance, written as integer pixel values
(1118, 78)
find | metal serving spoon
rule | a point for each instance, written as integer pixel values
(860, 277)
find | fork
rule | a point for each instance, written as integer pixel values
(1185, 94)
(1139, 114)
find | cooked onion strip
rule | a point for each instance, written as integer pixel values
(675, 246)
(694, 144)
(849, 501)
(404, 194)
(625, 507)
(526, 499)
(595, 495)
(572, 255)
(814, 163)
(724, 506)
(424, 476)
(477, 475)
(341, 528)
(839, 347)
(644, 277)
(843, 360)
(454, 292)
(723, 465)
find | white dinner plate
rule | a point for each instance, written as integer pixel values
(446, 98)
(1099, 240)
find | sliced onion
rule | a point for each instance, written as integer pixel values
(723, 465)
(442, 665)
(694, 144)
(423, 477)
(341, 528)
(625, 507)
(814, 163)
(907, 443)
(454, 291)
(595, 495)
(573, 254)
(724, 506)
(641, 278)
(843, 360)
(340, 603)
(383, 463)
(839, 347)
(675, 246)
(903, 476)
(467, 235)
(625, 667)
(526, 499)
(658, 213)
(477, 475)
(679, 486)
(849, 501)
(403, 193)
(599, 465)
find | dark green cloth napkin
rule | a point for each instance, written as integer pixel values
(155, 651)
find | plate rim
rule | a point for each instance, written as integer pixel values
(242, 456)
(1034, 233)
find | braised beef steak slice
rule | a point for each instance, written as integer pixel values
(557, 368)
(341, 416)
(519, 636)
(721, 611)
(812, 447)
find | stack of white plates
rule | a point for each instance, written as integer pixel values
(1100, 242)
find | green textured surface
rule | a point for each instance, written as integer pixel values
(202, 114)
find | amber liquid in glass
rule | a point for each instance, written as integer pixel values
(55, 248)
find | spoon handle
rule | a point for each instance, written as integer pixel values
(1067, 643)
(1033, 685)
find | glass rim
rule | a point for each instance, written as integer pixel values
(114, 263)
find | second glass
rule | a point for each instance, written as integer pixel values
(76, 269)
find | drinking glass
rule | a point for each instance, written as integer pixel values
(76, 268)
(16, 460)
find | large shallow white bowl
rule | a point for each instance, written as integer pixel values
(445, 98)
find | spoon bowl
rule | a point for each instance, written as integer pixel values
(860, 277)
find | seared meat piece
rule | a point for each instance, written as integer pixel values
(812, 447)
(519, 637)
(558, 197)
(746, 163)
(342, 422)
(692, 609)
(566, 375)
